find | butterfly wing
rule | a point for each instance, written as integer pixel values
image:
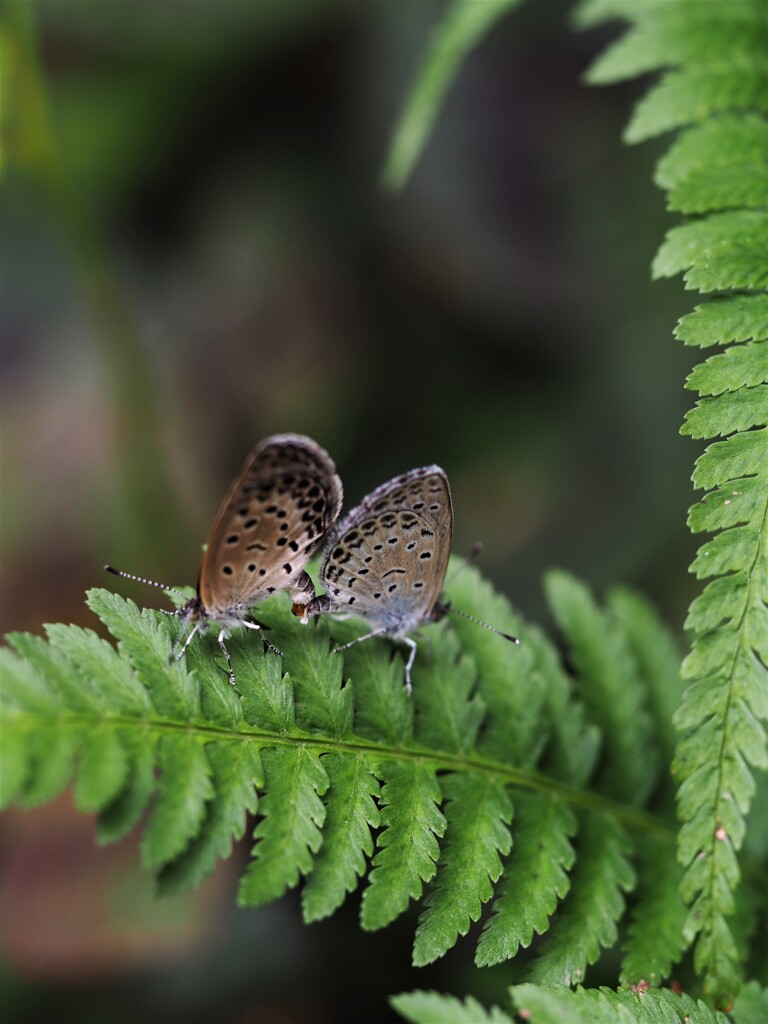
(386, 562)
(275, 516)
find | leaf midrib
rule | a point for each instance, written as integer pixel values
(741, 648)
(524, 779)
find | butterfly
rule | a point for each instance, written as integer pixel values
(386, 561)
(274, 517)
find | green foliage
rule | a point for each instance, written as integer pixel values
(506, 786)
(554, 1004)
(433, 1008)
(464, 24)
(751, 1006)
(713, 86)
(483, 789)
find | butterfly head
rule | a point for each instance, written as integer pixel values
(441, 609)
(192, 610)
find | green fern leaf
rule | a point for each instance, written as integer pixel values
(13, 768)
(684, 97)
(574, 743)
(742, 366)
(665, 34)
(407, 847)
(478, 814)
(316, 777)
(384, 712)
(266, 695)
(587, 919)
(63, 685)
(724, 320)
(733, 263)
(602, 657)
(516, 729)
(716, 167)
(693, 244)
(323, 704)
(175, 693)
(721, 187)
(657, 658)
(448, 713)
(731, 141)
(554, 1005)
(729, 412)
(535, 880)
(434, 1008)
(101, 771)
(126, 810)
(236, 771)
(289, 833)
(351, 813)
(655, 940)
(751, 1006)
(181, 803)
(464, 24)
(52, 756)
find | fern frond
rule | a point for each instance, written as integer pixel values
(543, 851)
(236, 772)
(463, 25)
(714, 86)
(180, 806)
(657, 660)
(408, 846)
(347, 839)
(352, 781)
(602, 657)
(553, 1004)
(290, 830)
(655, 941)
(751, 1006)
(478, 812)
(550, 1005)
(725, 319)
(515, 725)
(434, 1008)
(587, 920)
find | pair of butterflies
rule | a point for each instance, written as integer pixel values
(384, 563)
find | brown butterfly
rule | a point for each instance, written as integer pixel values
(274, 517)
(385, 563)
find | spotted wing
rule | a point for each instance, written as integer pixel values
(387, 561)
(276, 514)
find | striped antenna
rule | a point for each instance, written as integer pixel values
(140, 579)
(479, 622)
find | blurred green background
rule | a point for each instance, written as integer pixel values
(197, 252)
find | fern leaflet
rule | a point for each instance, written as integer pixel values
(714, 87)
(434, 798)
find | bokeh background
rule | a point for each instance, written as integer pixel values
(197, 252)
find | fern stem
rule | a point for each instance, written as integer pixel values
(523, 779)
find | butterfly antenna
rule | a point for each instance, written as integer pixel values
(140, 579)
(479, 622)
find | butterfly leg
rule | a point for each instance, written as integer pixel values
(225, 652)
(186, 643)
(252, 624)
(303, 594)
(409, 664)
